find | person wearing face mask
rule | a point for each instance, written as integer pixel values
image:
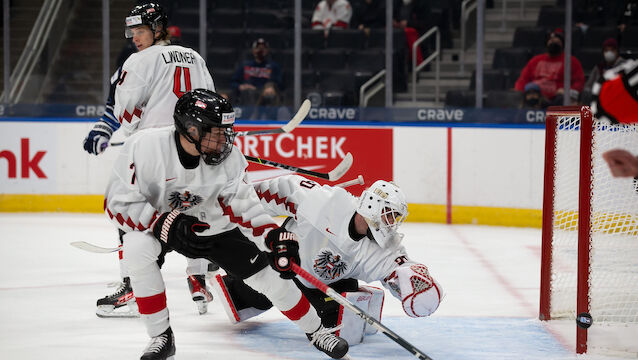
(547, 70)
(532, 98)
(611, 59)
(248, 82)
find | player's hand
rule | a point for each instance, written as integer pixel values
(284, 251)
(179, 232)
(621, 163)
(98, 138)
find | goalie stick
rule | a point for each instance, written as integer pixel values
(352, 307)
(334, 175)
(290, 126)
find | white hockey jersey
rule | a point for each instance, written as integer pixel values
(148, 180)
(325, 17)
(321, 216)
(151, 82)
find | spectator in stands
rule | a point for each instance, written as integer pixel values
(532, 97)
(610, 59)
(411, 16)
(331, 14)
(176, 34)
(629, 15)
(270, 104)
(369, 14)
(251, 76)
(547, 70)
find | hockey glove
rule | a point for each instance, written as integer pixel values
(98, 138)
(284, 250)
(179, 232)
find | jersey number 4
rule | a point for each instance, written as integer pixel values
(177, 80)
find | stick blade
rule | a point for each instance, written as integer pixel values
(342, 168)
(83, 245)
(298, 118)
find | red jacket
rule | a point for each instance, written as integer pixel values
(547, 72)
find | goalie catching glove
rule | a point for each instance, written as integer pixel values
(284, 250)
(179, 231)
(420, 294)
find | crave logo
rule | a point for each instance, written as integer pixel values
(29, 161)
(183, 201)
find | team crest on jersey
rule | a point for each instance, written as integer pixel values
(183, 201)
(329, 266)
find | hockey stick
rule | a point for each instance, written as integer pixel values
(352, 307)
(334, 175)
(94, 248)
(290, 126)
(357, 181)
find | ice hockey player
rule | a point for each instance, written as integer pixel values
(145, 94)
(342, 239)
(183, 188)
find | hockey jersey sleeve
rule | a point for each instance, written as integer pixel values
(124, 202)
(131, 95)
(282, 195)
(240, 203)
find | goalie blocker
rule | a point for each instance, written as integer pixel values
(419, 293)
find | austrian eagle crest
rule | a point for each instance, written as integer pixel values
(329, 266)
(183, 201)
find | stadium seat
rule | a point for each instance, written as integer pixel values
(256, 18)
(225, 4)
(589, 58)
(371, 60)
(346, 38)
(503, 99)
(376, 39)
(511, 58)
(493, 79)
(334, 99)
(460, 98)
(312, 39)
(226, 19)
(227, 38)
(629, 38)
(286, 58)
(529, 37)
(221, 58)
(551, 17)
(329, 59)
(596, 35)
(222, 78)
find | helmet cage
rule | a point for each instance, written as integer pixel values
(213, 157)
(384, 208)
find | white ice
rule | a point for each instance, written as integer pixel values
(48, 291)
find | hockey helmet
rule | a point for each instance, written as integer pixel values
(199, 112)
(384, 207)
(150, 14)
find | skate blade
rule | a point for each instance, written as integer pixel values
(202, 306)
(121, 312)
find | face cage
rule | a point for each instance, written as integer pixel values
(216, 158)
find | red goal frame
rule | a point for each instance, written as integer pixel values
(584, 213)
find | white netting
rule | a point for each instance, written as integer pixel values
(613, 275)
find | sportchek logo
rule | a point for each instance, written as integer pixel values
(28, 163)
(290, 145)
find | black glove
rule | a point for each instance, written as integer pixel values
(284, 251)
(178, 231)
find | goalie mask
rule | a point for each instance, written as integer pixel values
(151, 15)
(384, 207)
(206, 119)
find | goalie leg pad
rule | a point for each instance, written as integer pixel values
(375, 307)
(352, 326)
(236, 302)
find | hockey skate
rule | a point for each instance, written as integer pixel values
(161, 347)
(325, 340)
(200, 294)
(119, 304)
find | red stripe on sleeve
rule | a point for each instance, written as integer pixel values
(257, 231)
(298, 311)
(151, 304)
(290, 206)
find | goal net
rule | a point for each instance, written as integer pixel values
(590, 231)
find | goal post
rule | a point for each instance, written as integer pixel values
(589, 256)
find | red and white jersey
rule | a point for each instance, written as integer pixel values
(148, 179)
(321, 217)
(325, 17)
(151, 82)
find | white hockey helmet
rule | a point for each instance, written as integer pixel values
(384, 207)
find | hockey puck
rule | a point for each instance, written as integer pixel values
(584, 320)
